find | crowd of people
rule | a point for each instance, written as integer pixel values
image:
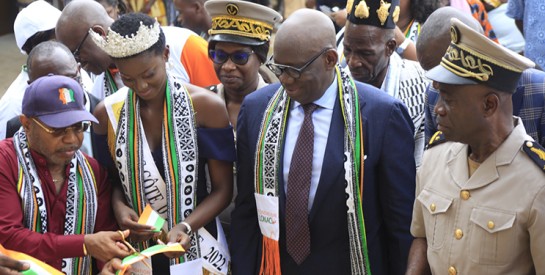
(352, 137)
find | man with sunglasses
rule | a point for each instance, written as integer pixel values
(52, 57)
(59, 198)
(326, 173)
(369, 49)
(188, 55)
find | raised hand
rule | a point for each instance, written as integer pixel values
(106, 245)
(128, 219)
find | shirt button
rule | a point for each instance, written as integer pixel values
(458, 233)
(465, 195)
(432, 207)
(452, 270)
(491, 225)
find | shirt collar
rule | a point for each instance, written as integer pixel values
(327, 101)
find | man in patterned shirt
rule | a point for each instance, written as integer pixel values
(528, 100)
(369, 47)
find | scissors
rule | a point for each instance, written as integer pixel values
(131, 248)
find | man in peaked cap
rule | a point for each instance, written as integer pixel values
(60, 197)
(369, 47)
(481, 187)
(528, 100)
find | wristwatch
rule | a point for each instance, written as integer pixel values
(188, 227)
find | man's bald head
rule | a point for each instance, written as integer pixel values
(72, 30)
(51, 57)
(305, 30)
(306, 43)
(434, 37)
(80, 15)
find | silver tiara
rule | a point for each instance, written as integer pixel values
(118, 46)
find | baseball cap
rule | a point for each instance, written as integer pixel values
(472, 59)
(38, 16)
(58, 101)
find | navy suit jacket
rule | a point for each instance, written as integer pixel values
(388, 196)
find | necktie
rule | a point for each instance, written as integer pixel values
(297, 230)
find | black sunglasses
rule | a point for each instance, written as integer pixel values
(238, 57)
(76, 52)
(57, 132)
(293, 72)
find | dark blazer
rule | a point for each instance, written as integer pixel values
(389, 186)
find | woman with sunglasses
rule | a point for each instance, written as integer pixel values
(238, 53)
(161, 134)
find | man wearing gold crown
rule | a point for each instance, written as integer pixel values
(321, 188)
(369, 47)
(188, 60)
(481, 187)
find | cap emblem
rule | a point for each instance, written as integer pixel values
(454, 35)
(66, 95)
(362, 10)
(383, 12)
(232, 9)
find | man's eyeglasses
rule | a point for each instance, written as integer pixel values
(77, 128)
(76, 52)
(293, 72)
(238, 57)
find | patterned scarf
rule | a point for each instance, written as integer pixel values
(109, 84)
(137, 169)
(267, 164)
(81, 201)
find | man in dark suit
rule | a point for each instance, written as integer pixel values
(339, 230)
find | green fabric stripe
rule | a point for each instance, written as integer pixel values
(129, 258)
(81, 202)
(30, 272)
(130, 142)
(111, 82)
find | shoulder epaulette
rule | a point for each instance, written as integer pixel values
(536, 152)
(213, 88)
(436, 139)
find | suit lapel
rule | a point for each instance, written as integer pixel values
(332, 167)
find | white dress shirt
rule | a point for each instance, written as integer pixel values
(321, 118)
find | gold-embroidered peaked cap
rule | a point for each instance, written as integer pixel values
(379, 13)
(472, 58)
(241, 22)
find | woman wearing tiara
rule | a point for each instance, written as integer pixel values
(161, 134)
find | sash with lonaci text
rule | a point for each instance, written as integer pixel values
(173, 197)
(81, 201)
(267, 165)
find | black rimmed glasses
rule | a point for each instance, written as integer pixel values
(76, 52)
(238, 57)
(293, 72)
(77, 128)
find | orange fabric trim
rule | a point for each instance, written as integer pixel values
(270, 257)
(198, 66)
